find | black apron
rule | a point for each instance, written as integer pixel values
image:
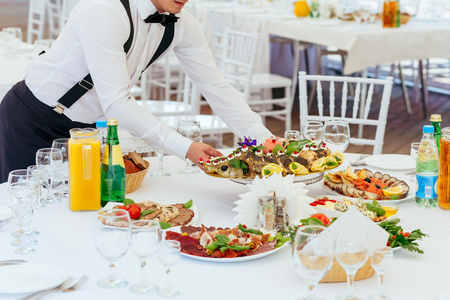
(26, 125)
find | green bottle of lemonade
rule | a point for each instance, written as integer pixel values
(113, 178)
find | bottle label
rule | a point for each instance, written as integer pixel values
(426, 186)
(117, 158)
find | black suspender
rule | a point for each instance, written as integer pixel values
(86, 84)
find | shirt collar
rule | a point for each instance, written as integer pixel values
(145, 8)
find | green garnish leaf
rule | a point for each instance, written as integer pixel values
(223, 248)
(277, 148)
(254, 149)
(394, 197)
(311, 221)
(128, 201)
(223, 239)
(239, 247)
(281, 240)
(146, 212)
(239, 164)
(188, 204)
(332, 163)
(266, 172)
(213, 246)
(164, 225)
(376, 208)
(249, 230)
(293, 166)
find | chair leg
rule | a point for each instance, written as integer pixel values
(404, 88)
(312, 93)
(423, 82)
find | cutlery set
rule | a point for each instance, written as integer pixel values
(11, 262)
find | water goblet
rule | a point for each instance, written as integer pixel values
(63, 172)
(292, 135)
(50, 160)
(336, 135)
(12, 37)
(21, 198)
(381, 260)
(312, 255)
(351, 253)
(191, 130)
(312, 130)
(414, 150)
(33, 171)
(111, 229)
(161, 172)
(41, 45)
(169, 255)
(144, 239)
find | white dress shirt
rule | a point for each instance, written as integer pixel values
(92, 42)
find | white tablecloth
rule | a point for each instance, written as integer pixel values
(66, 241)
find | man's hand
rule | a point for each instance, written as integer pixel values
(201, 150)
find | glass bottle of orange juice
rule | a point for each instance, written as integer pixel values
(84, 169)
(444, 169)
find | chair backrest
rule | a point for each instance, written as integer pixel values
(220, 21)
(359, 113)
(238, 59)
(54, 17)
(191, 96)
(67, 6)
(36, 20)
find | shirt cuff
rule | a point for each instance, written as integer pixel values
(177, 144)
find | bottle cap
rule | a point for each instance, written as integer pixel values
(112, 122)
(101, 123)
(426, 129)
(436, 118)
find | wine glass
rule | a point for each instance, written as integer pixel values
(191, 130)
(336, 135)
(161, 172)
(111, 240)
(33, 171)
(381, 260)
(351, 253)
(292, 135)
(312, 255)
(169, 255)
(21, 198)
(414, 150)
(144, 239)
(12, 37)
(63, 172)
(312, 130)
(50, 160)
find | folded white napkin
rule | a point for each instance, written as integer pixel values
(297, 203)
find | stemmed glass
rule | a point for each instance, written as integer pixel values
(63, 172)
(144, 239)
(292, 135)
(33, 171)
(312, 130)
(50, 160)
(381, 260)
(169, 255)
(191, 130)
(111, 240)
(13, 38)
(336, 135)
(161, 172)
(312, 255)
(351, 253)
(21, 198)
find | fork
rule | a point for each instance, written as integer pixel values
(77, 285)
(39, 294)
(359, 162)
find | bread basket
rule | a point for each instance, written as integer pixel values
(134, 180)
(337, 273)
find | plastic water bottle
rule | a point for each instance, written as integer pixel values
(102, 136)
(427, 169)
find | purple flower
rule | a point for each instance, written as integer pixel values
(248, 142)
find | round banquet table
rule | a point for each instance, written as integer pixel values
(66, 242)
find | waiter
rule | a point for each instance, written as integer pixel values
(89, 70)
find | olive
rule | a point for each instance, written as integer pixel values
(224, 168)
(367, 179)
(377, 186)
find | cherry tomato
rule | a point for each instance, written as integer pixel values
(325, 220)
(124, 207)
(406, 234)
(134, 205)
(135, 212)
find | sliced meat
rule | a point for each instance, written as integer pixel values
(385, 178)
(267, 246)
(183, 218)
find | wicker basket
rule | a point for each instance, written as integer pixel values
(337, 273)
(134, 180)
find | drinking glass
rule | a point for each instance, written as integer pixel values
(292, 135)
(161, 172)
(144, 239)
(414, 150)
(12, 37)
(313, 131)
(41, 45)
(351, 253)
(169, 255)
(111, 229)
(21, 198)
(33, 171)
(336, 135)
(50, 160)
(191, 130)
(381, 260)
(312, 255)
(63, 172)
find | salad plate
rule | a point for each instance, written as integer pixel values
(29, 278)
(394, 162)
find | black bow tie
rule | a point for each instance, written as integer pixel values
(161, 18)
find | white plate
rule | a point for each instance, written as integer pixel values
(5, 212)
(29, 278)
(391, 162)
(307, 179)
(233, 259)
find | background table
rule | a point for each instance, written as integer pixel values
(66, 241)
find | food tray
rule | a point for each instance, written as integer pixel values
(306, 179)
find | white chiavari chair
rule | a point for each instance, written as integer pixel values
(36, 20)
(67, 6)
(219, 22)
(54, 17)
(340, 108)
